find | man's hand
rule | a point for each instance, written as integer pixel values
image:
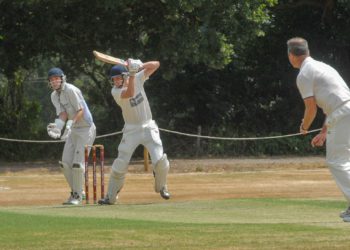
(54, 129)
(134, 66)
(302, 129)
(67, 131)
(319, 140)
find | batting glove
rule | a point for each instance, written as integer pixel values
(134, 66)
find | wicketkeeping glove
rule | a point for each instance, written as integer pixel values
(68, 130)
(134, 66)
(54, 129)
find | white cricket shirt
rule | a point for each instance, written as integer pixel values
(136, 110)
(71, 100)
(323, 82)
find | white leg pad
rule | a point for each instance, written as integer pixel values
(78, 178)
(68, 173)
(160, 172)
(116, 180)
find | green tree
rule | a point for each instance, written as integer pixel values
(181, 34)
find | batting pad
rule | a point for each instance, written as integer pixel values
(67, 172)
(78, 178)
(116, 183)
(160, 173)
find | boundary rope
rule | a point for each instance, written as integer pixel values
(239, 138)
(173, 132)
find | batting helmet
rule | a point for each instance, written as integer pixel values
(117, 70)
(55, 72)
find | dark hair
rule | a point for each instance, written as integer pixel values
(298, 46)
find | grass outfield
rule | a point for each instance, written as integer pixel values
(221, 224)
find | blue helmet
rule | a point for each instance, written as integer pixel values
(117, 70)
(55, 72)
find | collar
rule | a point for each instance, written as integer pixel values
(306, 60)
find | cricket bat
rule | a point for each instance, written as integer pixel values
(109, 59)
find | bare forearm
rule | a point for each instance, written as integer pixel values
(150, 67)
(309, 113)
(324, 129)
(130, 90)
(309, 116)
(63, 116)
(78, 116)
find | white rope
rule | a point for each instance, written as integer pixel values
(29, 141)
(111, 134)
(174, 132)
(56, 141)
(237, 139)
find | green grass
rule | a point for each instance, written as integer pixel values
(222, 224)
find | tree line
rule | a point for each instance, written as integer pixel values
(224, 67)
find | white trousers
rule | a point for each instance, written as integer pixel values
(73, 151)
(134, 135)
(338, 150)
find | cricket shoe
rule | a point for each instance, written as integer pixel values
(69, 200)
(345, 213)
(104, 201)
(165, 193)
(346, 218)
(74, 199)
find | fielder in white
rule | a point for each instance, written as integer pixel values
(320, 85)
(139, 128)
(73, 114)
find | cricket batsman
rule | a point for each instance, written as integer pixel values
(139, 128)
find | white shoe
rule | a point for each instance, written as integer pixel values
(75, 202)
(345, 213)
(69, 200)
(74, 199)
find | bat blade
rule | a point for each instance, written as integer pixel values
(109, 59)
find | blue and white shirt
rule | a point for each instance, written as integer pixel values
(71, 100)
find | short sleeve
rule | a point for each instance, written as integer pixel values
(305, 86)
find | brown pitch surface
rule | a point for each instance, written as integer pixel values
(42, 183)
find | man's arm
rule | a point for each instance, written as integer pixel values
(150, 67)
(309, 114)
(320, 138)
(63, 116)
(130, 89)
(78, 116)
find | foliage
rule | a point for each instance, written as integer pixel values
(223, 64)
